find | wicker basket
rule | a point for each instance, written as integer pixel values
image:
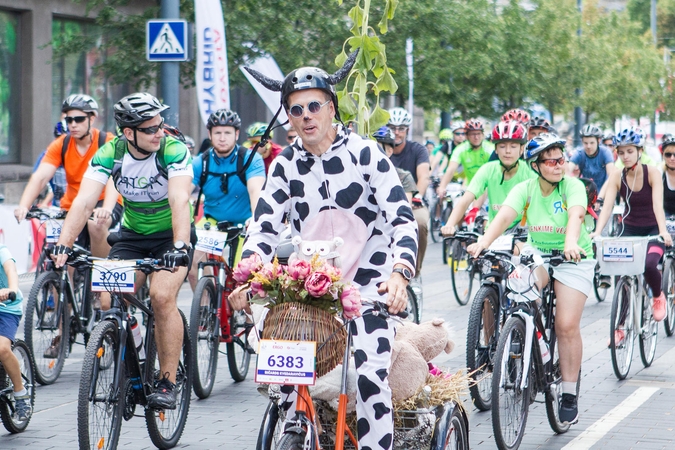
(300, 322)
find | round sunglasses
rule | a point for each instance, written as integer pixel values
(314, 107)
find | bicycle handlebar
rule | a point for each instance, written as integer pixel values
(41, 214)
(383, 309)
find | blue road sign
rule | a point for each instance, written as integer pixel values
(166, 40)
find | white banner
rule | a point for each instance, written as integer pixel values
(268, 67)
(213, 84)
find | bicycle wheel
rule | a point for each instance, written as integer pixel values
(43, 262)
(462, 273)
(413, 308)
(621, 322)
(238, 357)
(291, 441)
(553, 394)
(204, 337)
(600, 291)
(165, 427)
(510, 402)
(45, 315)
(22, 353)
(649, 330)
(669, 291)
(482, 337)
(456, 436)
(270, 428)
(434, 221)
(99, 402)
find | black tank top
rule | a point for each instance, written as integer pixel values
(668, 198)
(639, 205)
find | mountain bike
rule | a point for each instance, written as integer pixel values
(463, 269)
(7, 408)
(632, 314)
(52, 221)
(59, 305)
(524, 366)
(212, 320)
(317, 426)
(487, 315)
(118, 373)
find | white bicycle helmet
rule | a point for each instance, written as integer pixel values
(399, 117)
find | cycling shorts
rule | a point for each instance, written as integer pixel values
(127, 244)
(83, 239)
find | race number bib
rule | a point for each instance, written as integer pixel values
(621, 251)
(53, 230)
(503, 243)
(286, 362)
(211, 242)
(118, 276)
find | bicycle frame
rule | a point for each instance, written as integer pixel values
(638, 292)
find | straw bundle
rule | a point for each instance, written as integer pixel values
(443, 390)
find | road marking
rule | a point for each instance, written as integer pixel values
(600, 428)
(54, 407)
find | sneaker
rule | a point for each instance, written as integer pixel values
(568, 412)
(659, 307)
(164, 396)
(52, 351)
(23, 409)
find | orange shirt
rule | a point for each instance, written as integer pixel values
(75, 164)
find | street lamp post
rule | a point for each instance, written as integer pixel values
(577, 109)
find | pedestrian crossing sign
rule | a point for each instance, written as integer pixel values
(166, 40)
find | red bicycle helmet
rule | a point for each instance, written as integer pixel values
(518, 115)
(473, 125)
(509, 131)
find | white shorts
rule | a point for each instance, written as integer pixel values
(577, 276)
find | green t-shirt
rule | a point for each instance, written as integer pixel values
(472, 159)
(490, 177)
(145, 190)
(547, 216)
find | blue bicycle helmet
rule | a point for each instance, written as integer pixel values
(384, 136)
(629, 136)
(542, 143)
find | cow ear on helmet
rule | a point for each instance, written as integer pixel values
(272, 85)
(344, 70)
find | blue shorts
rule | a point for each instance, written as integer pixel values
(9, 323)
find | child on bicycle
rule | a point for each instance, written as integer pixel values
(553, 208)
(10, 316)
(641, 187)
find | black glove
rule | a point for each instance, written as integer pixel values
(176, 258)
(62, 250)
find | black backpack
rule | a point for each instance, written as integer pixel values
(242, 167)
(101, 142)
(120, 150)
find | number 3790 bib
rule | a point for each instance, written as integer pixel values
(286, 362)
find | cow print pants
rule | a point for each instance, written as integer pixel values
(372, 338)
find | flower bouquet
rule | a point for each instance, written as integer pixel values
(313, 283)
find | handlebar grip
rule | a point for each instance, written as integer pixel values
(403, 314)
(185, 260)
(12, 296)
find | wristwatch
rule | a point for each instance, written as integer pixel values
(404, 272)
(180, 245)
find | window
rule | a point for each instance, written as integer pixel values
(9, 87)
(73, 73)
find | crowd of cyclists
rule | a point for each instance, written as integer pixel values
(142, 193)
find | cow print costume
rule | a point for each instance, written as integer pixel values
(352, 179)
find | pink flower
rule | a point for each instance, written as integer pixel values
(334, 272)
(257, 289)
(299, 269)
(271, 272)
(243, 270)
(318, 284)
(434, 370)
(351, 301)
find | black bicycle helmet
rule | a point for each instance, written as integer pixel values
(80, 102)
(540, 122)
(223, 118)
(134, 109)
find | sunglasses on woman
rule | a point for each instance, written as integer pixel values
(314, 107)
(553, 162)
(668, 155)
(152, 130)
(77, 119)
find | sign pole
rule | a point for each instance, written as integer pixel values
(170, 71)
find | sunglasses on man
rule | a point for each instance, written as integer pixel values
(314, 107)
(152, 130)
(77, 119)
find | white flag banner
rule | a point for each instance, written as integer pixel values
(268, 67)
(213, 84)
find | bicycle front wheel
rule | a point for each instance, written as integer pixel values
(270, 428)
(461, 273)
(46, 327)
(553, 394)
(204, 337)
(510, 401)
(649, 330)
(434, 219)
(621, 332)
(238, 356)
(598, 287)
(669, 291)
(482, 337)
(291, 441)
(165, 427)
(22, 353)
(100, 402)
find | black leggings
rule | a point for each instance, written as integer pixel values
(655, 252)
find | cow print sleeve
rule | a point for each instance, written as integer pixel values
(394, 204)
(263, 235)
